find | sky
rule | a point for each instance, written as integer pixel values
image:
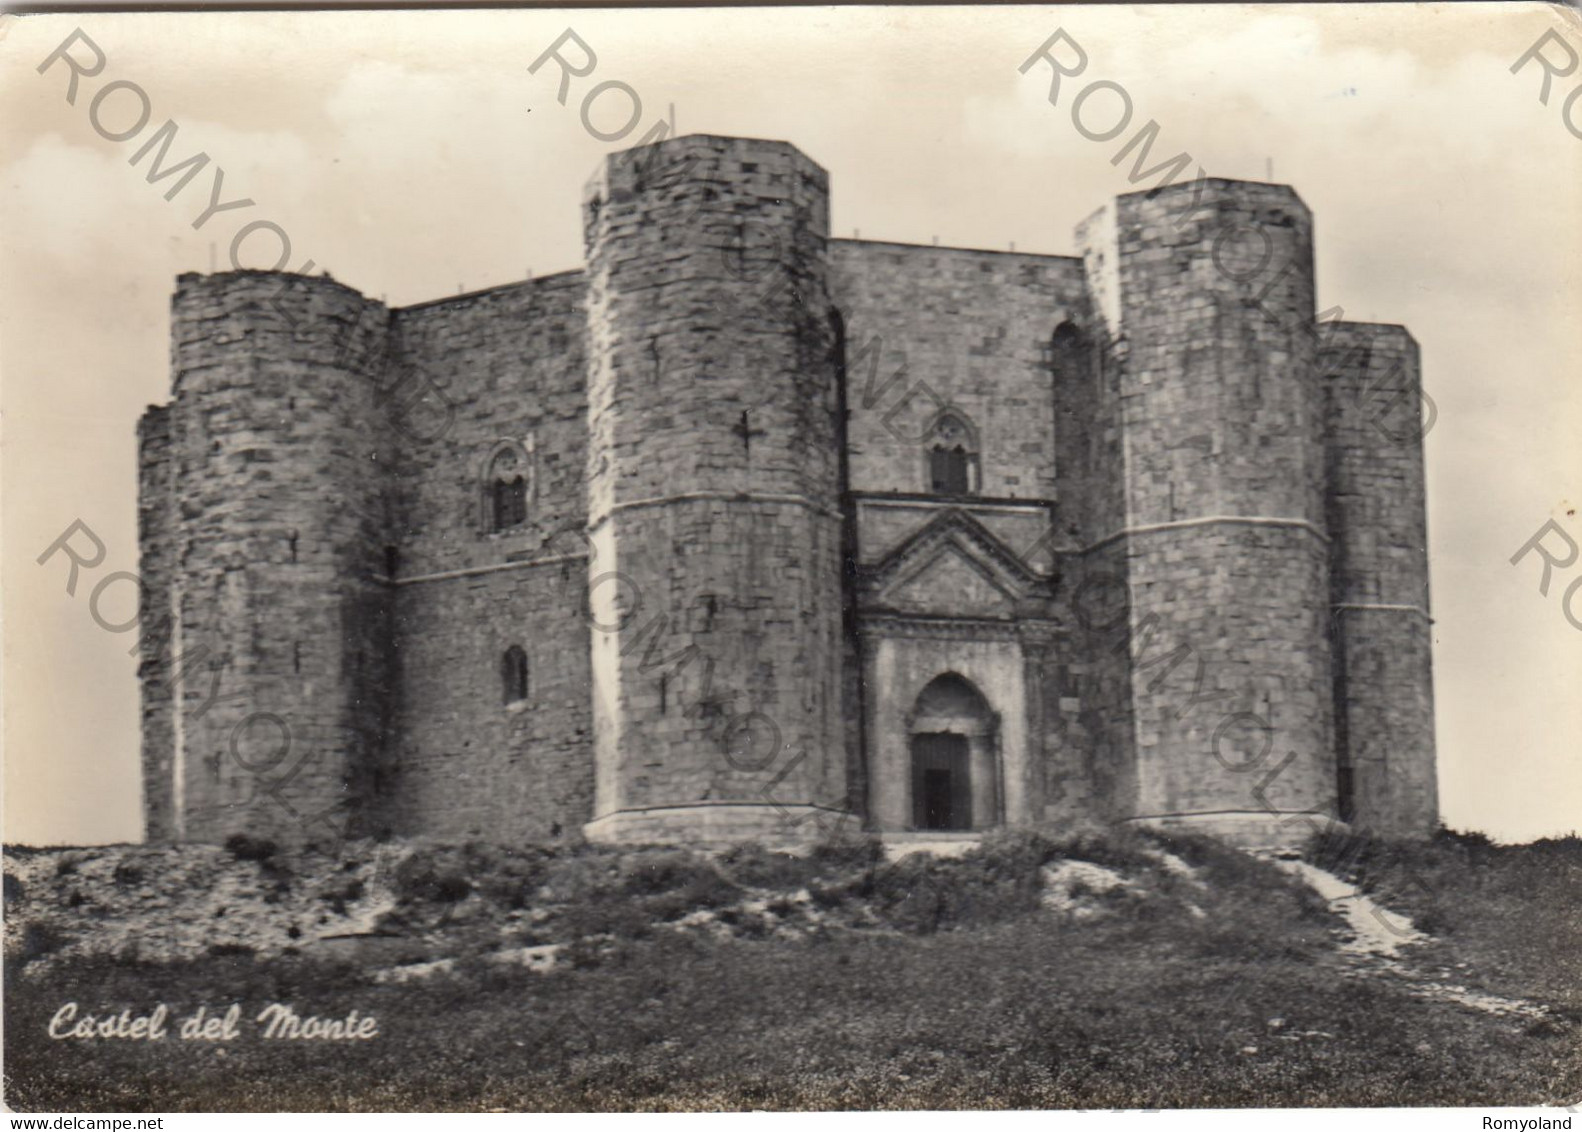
(416, 154)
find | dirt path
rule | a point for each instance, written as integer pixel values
(1376, 938)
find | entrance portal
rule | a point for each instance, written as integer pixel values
(955, 766)
(941, 782)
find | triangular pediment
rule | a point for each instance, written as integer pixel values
(950, 582)
(953, 566)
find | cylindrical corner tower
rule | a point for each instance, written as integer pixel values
(1223, 523)
(714, 586)
(279, 658)
(1383, 636)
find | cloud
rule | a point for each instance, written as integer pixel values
(61, 203)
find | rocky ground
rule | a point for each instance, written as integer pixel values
(1027, 971)
(408, 909)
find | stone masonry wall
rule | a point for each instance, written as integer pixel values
(1223, 420)
(156, 505)
(512, 364)
(927, 328)
(969, 329)
(1222, 509)
(1382, 632)
(1096, 756)
(278, 445)
(1094, 765)
(468, 763)
(713, 483)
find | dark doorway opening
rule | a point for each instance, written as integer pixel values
(941, 786)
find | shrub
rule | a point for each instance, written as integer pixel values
(667, 907)
(507, 876)
(39, 940)
(671, 884)
(15, 891)
(911, 898)
(278, 873)
(750, 927)
(828, 896)
(647, 874)
(1434, 921)
(848, 851)
(1196, 849)
(1561, 850)
(1019, 849)
(922, 895)
(432, 876)
(245, 848)
(1123, 849)
(753, 865)
(582, 954)
(127, 874)
(1469, 841)
(589, 874)
(343, 894)
(621, 919)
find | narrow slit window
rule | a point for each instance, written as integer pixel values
(513, 675)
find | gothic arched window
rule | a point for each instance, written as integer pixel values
(505, 487)
(952, 456)
(513, 675)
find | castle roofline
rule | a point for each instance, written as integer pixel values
(1396, 327)
(321, 280)
(619, 159)
(498, 287)
(1219, 182)
(674, 138)
(955, 248)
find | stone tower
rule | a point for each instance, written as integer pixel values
(265, 502)
(1381, 630)
(713, 495)
(744, 530)
(1208, 291)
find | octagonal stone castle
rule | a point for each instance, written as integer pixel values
(749, 532)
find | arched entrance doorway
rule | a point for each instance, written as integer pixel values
(955, 771)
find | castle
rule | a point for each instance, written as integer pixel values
(749, 532)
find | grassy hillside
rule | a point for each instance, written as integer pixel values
(1102, 972)
(1511, 913)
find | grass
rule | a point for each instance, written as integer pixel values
(960, 992)
(1511, 913)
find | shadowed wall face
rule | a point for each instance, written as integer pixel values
(471, 584)
(1381, 629)
(280, 668)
